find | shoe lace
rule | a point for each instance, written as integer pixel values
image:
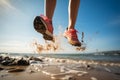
(48, 22)
(74, 34)
(46, 19)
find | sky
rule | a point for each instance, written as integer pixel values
(98, 19)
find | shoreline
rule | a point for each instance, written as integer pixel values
(45, 68)
(68, 59)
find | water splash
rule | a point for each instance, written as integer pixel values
(57, 45)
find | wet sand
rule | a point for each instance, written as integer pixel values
(61, 69)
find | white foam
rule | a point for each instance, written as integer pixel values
(47, 73)
(63, 69)
(60, 74)
(64, 78)
(77, 72)
(68, 77)
(93, 78)
(80, 74)
(108, 70)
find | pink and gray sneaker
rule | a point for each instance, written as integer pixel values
(44, 26)
(72, 37)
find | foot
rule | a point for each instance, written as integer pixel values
(71, 35)
(44, 26)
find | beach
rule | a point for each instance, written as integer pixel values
(50, 68)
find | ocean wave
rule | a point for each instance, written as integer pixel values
(109, 53)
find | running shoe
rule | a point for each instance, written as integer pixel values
(72, 37)
(44, 26)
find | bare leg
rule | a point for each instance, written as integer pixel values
(73, 11)
(71, 33)
(49, 8)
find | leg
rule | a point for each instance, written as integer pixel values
(49, 8)
(43, 23)
(73, 11)
(71, 33)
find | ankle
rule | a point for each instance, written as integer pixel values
(69, 28)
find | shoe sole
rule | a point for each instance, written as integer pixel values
(41, 27)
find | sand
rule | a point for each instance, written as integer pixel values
(60, 69)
